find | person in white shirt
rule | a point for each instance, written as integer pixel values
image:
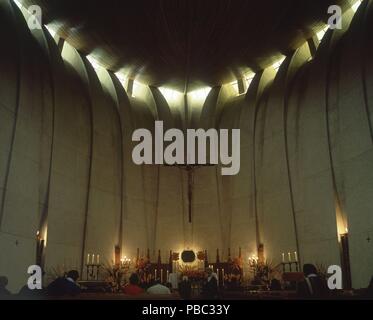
(158, 288)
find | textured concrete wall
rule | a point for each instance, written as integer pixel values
(66, 167)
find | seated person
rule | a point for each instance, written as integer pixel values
(4, 292)
(313, 286)
(30, 294)
(185, 288)
(65, 285)
(133, 288)
(158, 288)
(369, 290)
(210, 287)
(275, 285)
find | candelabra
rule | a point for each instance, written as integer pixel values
(253, 264)
(93, 270)
(125, 263)
(290, 266)
(290, 263)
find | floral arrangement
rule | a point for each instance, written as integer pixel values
(263, 272)
(192, 273)
(143, 265)
(115, 275)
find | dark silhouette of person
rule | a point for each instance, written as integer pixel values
(210, 287)
(66, 285)
(185, 288)
(4, 292)
(26, 293)
(275, 285)
(133, 288)
(313, 286)
(369, 291)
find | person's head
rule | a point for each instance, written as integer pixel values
(73, 274)
(134, 279)
(308, 269)
(3, 281)
(185, 278)
(157, 281)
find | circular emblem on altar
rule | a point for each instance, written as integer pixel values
(188, 256)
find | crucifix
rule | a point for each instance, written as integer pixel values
(190, 168)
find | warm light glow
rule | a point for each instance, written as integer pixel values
(356, 5)
(123, 78)
(18, 3)
(138, 89)
(200, 94)
(320, 35)
(248, 79)
(50, 30)
(235, 87)
(278, 63)
(95, 64)
(346, 229)
(170, 95)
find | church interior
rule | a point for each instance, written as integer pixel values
(78, 78)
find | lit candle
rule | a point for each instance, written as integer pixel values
(168, 275)
(283, 257)
(98, 259)
(289, 256)
(155, 274)
(296, 256)
(88, 258)
(93, 259)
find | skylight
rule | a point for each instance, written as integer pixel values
(278, 63)
(95, 64)
(356, 5)
(200, 94)
(320, 35)
(170, 95)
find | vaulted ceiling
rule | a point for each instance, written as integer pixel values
(185, 43)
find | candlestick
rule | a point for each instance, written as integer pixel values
(289, 256)
(222, 275)
(283, 257)
(296, 256)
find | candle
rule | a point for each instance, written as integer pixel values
(98, 259)
(222, 275)
(289, 256)
(155, 274)
(296, 256)
(217, 271)
(283, 257)
(168, 275)
(93, 259)
(161, 275)
(88, 255)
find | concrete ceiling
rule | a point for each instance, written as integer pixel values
(185, 43)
